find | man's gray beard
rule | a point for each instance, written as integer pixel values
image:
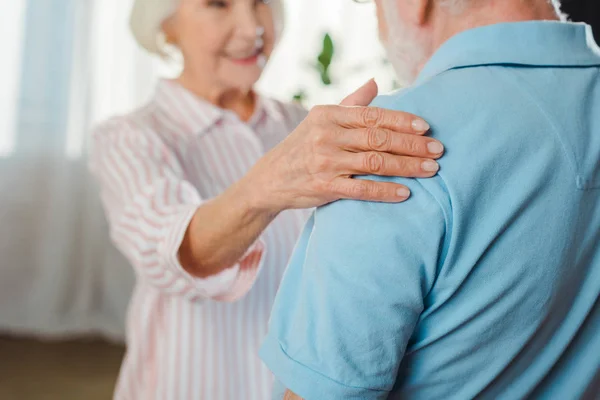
(404, 76)
(403, 54)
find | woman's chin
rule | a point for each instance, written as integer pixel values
(243, 77)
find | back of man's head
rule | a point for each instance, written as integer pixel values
(412, 31)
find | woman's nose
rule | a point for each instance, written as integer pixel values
(248, 27)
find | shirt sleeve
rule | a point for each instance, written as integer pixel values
(352, 296)
(149, 205)
(297, 114)
(294, 114)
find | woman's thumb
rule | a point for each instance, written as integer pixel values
(363, 96)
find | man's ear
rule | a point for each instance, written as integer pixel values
(418, 12)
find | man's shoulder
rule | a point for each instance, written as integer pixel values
(455, 97)
(461, 107)
(480, 116)
(477, 113)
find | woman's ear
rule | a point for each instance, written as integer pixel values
(169, 30)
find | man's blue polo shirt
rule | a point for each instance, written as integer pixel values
(486, 282)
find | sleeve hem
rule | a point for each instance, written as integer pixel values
(248, 270)
(227, 286)
(308, 383)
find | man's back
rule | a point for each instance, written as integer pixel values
(516, 305)
(509, 303)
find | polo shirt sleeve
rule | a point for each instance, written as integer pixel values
(353, 294)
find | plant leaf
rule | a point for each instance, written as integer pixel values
(299, 97)
(327, 51)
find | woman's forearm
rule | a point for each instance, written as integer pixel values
(313, 166)
(223, 229)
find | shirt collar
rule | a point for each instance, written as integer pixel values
(194, 115)
(532, 43)
(268, 107)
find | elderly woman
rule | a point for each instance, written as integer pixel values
(202, 192)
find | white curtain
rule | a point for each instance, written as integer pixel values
(68, 64)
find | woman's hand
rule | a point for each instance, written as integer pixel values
(315, 164)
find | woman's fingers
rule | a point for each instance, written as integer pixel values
(384, 164)
(389, 141)
(373, 117)
(358, 189)
(313, 165)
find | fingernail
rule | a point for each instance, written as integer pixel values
(435, 147)
(403, 192)
(430, 166)
(420, 125)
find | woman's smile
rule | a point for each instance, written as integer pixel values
(251, 58)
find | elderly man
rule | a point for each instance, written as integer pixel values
(486, 283)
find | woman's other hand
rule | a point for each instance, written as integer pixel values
(315, 164)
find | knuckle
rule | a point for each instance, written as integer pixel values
(318, 112)
(373, 162)
(338, 191)
(322, 163)
(411, 146)
(411, 167)
(418, 146)
(359, 190)
(378, 139)
(321, 135)
(379, 191)
(403, 121)
(325, 187)
(371, 116)
(401, 166)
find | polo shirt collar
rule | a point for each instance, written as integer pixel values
(531, 43)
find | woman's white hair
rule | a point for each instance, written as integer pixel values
(147, 17)
(146, 21)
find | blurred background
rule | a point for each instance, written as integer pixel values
(66, 65)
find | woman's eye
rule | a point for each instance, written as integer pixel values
(218, 4)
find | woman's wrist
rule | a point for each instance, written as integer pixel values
(258, 198)
(239, 212)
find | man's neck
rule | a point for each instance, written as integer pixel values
(493, 12)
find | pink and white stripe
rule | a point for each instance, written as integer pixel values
(189, 338)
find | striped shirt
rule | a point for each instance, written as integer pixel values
(188, 338)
